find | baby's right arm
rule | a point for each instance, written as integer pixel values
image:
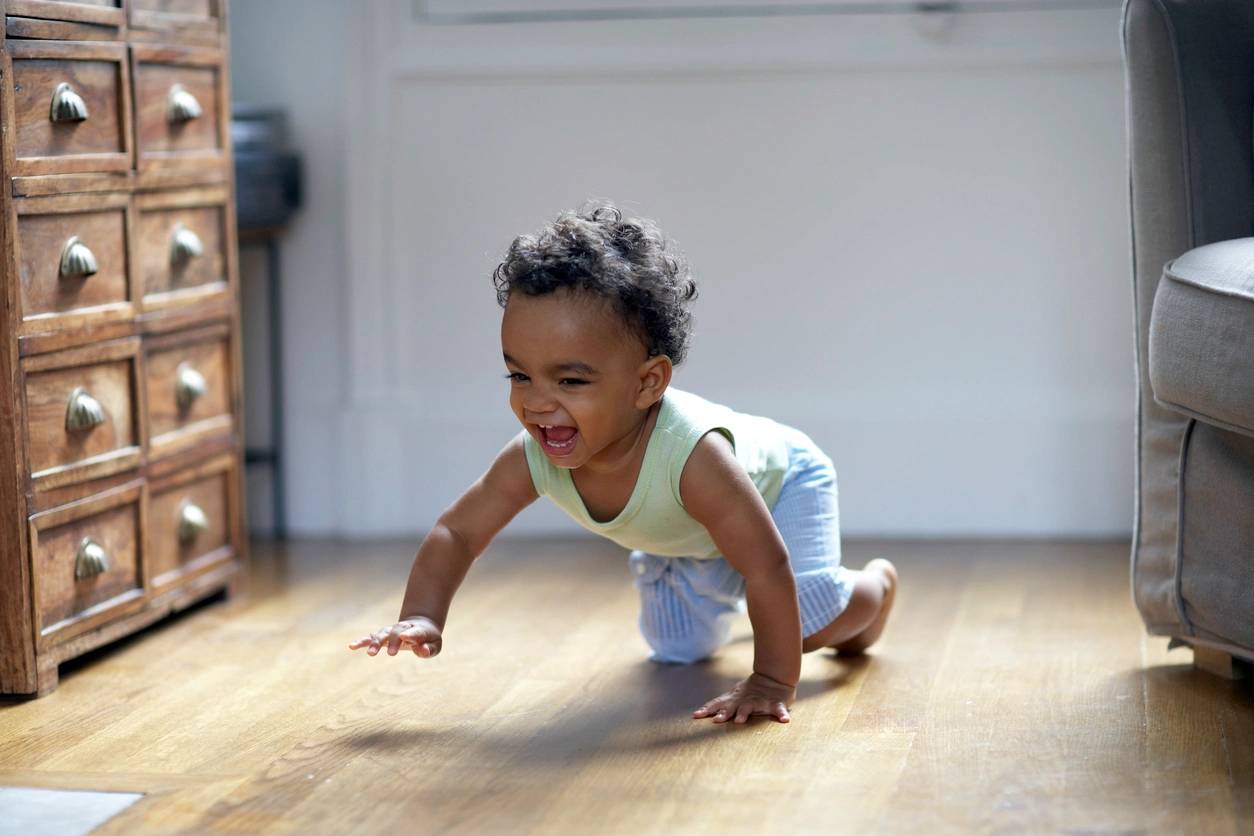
(460, 535)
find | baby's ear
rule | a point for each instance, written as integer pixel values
(655, 376)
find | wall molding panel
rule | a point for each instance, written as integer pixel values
(974, 207)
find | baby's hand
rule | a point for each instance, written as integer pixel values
(756, 695)
(419, 634)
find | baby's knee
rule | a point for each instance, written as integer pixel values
(696, 644)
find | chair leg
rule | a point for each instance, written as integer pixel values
(1217, 662)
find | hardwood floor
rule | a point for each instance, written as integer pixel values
(1014, 691)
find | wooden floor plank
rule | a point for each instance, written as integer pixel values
(1014, 690)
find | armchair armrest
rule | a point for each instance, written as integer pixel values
(1201, 338)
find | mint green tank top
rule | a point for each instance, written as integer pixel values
(654, 519)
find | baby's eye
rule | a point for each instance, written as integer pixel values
(574, 380)
(516, 376)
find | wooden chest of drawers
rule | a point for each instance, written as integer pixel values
(120, 394)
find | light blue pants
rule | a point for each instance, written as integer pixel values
(687, 605)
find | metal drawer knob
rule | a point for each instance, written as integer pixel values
(184, 245)
(67, 106)
(77, 261)
(192, 522)
(181, 105)
(91, 560)
(83, 411)
(189, 385)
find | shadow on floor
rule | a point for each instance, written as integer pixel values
(654, 712)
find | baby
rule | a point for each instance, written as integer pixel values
(722, 511)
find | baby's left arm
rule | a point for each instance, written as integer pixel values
(718, 493)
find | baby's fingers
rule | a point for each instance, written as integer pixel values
(761, 707)
(373, 641)
(724, 711)
(709, 708)
(422, 641)
(408, 637)
(730, 708)
(394, 643)
(755, 707)
(365, 641)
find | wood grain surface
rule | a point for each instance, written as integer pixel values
(192, 8)
(113, 523)
(1014, 691)
(100, 224)
(160, 274)
(209, 489)
(92, 179)
(188, 21)
(207, 352)
(48, 393)
(160, 143)
(109, 11)
(98, 82)
(99, 73)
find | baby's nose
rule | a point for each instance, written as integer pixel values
(539, 410)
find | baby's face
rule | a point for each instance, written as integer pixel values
(573, 366)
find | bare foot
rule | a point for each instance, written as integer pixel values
(888, 576)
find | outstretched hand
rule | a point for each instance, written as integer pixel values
(756, 695)
(418, 634)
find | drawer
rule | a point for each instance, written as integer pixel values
(87, 562)
(82, 412)
(179, 105)
(81, 11)
(181, 246)
(71, 107)
(189, 383)
(77, 20)
(73, 257)
(191, 522)
(199, 20)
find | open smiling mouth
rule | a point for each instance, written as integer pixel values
(558, 441)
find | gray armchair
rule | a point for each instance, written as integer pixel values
(1190, 109)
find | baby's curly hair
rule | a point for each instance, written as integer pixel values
(626, 261)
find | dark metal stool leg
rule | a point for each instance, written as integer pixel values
(276, 385)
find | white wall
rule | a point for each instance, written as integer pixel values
(910, 243)
(292, 55)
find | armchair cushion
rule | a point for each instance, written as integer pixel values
(1201, 338)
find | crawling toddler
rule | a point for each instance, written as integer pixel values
(722, 511)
